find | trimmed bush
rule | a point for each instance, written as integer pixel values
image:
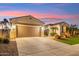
(46, 32)
(6, 41)
(53, 34)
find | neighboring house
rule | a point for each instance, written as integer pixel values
(59, 28)
(27, 26)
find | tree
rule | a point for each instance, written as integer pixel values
(72, 29)
(5, 30)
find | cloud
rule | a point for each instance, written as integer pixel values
(38, 15)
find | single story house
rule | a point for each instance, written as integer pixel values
(29, 26)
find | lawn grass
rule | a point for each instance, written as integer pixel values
(71, 40)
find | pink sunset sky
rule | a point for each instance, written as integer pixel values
(37, 15)
(47, 11)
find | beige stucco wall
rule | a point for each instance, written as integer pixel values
(57, 31)
(13, 34)
(42, 31)
(64, 27)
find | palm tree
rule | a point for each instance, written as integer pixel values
(5, 30)
(72, 29)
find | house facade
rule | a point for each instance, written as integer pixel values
(58, 28)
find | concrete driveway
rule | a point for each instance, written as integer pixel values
(44, 46)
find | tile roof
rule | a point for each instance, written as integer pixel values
(26, 20)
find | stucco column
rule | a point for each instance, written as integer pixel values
(49, 33)
(42, 31)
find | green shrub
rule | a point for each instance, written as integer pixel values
(52, 34)
(6, 41)
(46, 32)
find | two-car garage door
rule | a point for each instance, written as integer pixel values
(28, 31)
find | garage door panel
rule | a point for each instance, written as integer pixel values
(26, 31)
